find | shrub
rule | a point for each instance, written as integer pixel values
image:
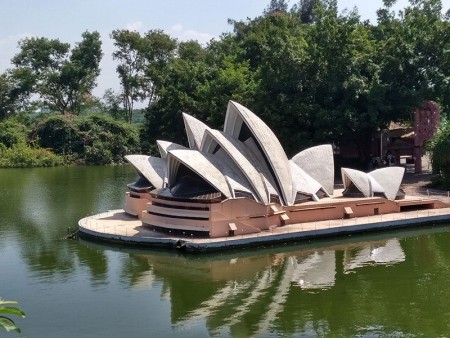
(23, 156)
(60, 133)
(439, 147)
(12, 133)
(108, 140)
(92, 139)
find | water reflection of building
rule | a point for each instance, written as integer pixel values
(384, 253)
(317, 271)
(255, 288)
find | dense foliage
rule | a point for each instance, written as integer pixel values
(313, 74)
(92, 139)
(439, 147)
(59, 139)
(16, 151)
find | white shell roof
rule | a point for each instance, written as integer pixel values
(165, 146)
(200, 164)
(303, 183)
(195, 130)
(360, 180)
(152, 168)
(256, 163)
(273, 151)
(318, 162)
(234, 176)
(389, 179)
(385, 180)
(251, 151)
(236, 152)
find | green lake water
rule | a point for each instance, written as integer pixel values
(390, 284)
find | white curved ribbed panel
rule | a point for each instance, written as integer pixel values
(166, 146)
(303, 183)
(375, 186)
(201, 164)
(195, 129)
(236, 153)
(390, 179)
(234, 176)
(152, 168)
(360, 180)
(318, 162)
(272, 151)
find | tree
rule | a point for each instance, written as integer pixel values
(413, 58)
(7, 103)
(159, 49)
(306, 10)
(141, 62)
(178, 89)
(276, 7)
(439, 147)
(112, 103)
(62, 81)
(129, 54)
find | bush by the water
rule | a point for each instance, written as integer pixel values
(92, 139)
(64, 139)
(439, 148)
(16, 152)
(12, 132)
(22, 156)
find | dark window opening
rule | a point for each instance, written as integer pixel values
(274, 199)
(352, 191)
(300, 198)
(190, 185)
(321, 194)
(180, 217)
(245, 194)
(216, 149)
(141, 185)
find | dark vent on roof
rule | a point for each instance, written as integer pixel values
(141, 185)
(352, 191)
(300, 198)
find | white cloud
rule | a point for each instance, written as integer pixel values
(181, 33)
(137, 26)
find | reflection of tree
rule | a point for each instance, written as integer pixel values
(303, 291)
(39, 205)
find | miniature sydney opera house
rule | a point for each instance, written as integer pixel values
(239, 181)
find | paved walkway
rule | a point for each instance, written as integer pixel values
(116, 226)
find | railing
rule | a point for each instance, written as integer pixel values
(441, 195)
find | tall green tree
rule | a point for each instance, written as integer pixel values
(413, 55)
(159, 49)
(178, 83)
(142, 60)
(62, 78)
(129, 54)
(16, 86)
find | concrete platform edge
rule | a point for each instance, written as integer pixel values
(228, 243)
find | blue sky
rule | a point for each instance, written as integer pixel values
(189, 19)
